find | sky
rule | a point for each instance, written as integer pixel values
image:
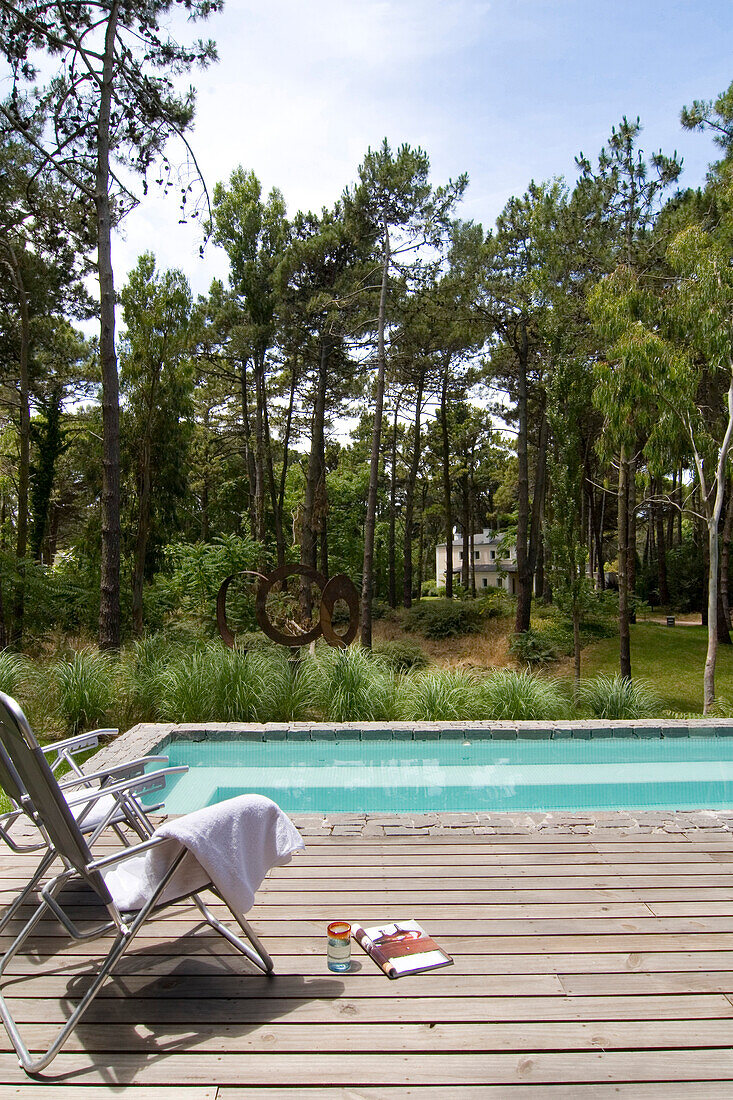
(505, 90)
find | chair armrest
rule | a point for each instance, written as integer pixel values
(77, 743)
(65, 750)
(127, 853)
(118, 771)
(148, 781)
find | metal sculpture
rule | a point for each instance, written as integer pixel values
(337, 588)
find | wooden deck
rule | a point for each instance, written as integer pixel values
(585, 966)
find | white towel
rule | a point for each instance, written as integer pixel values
(232, 844)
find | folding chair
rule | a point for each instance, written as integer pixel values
(95, 807)
(52, 813)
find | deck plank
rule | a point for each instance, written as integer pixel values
(586, 966)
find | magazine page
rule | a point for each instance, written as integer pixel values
(401, 947)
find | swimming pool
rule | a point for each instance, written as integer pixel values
(331, 776)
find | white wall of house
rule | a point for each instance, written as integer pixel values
(488, 560)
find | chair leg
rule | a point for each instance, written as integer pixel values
(124, 938)
(256, 953)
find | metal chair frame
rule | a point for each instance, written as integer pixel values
(126, 808)
(49, 809)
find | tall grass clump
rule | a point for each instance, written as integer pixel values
(81, 689)
(13, 672)
(440, 695)
(512, 696)
(616, 697)
(140, 673)
(350, 685)
(213, 684)
(289, 696)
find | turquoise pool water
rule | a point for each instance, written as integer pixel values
(422, 776)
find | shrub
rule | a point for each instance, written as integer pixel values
(440, 695)
(533, 647)
(401, 656)
(443, 618)
(616, 697)
(82, 689)
(494, 603)
(515, 696)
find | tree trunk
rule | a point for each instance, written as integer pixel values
(24, 441)
(713, 528)
(725, 556)
(310, 525)
(600, 561)
(391, 567)
(286, 440)
(109, 604)
(539, 576)
(576, 647)
(447, 486)
(370, 522)
(274, 496)
(631, 546)
(141, 540)
(524, 573)
(247, 452)
(421, 546)
(410, 499)
(260, 452)
(465, 523)
(623, 587)
(661, 555)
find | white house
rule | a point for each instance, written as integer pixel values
(493, 567)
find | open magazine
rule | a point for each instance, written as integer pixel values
(402, 947)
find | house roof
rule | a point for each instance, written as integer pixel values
(479, 539)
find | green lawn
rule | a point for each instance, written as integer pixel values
(671, 659)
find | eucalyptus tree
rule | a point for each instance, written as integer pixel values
(623, 194)
(111, 106)
(395, 207)
(156, 377)
(673, 339)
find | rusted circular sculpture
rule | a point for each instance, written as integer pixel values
(343, 588)
(292, 641)
(221, 604)
(339, 587)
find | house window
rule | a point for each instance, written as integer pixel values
(485, 582)
(477, 555)
(493, 555)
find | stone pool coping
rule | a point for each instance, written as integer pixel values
(140, 740)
